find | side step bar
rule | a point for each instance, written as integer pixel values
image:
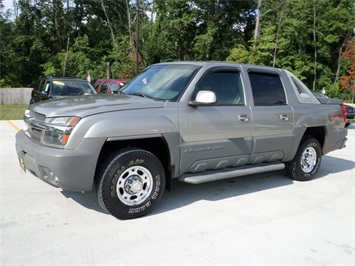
(209, 176)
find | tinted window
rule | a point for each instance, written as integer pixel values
(226, 85)
(104, 87)
(267, 89)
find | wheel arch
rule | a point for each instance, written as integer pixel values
(319, 133)
(158, 145)
(316, 132)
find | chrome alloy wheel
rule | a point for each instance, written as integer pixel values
(308, 159)
(134, 185)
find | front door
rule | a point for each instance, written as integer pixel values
(217, 135)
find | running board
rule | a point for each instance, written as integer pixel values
(209, 176)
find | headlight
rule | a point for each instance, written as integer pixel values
(57, 130)
(26, 118)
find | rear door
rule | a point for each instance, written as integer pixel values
(273, 117)
(218, 135)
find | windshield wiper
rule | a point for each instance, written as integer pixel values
(137, 93)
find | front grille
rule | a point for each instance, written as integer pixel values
(35, 123)
(35, 133)
(38, 116)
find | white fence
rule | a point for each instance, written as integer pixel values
(15, 95)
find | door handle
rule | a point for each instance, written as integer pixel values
(243, 118)
(284, 118)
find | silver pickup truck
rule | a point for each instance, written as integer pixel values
(195, 121)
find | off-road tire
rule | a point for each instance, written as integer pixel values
(307, 161)
(131, 183)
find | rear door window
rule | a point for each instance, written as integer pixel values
(267, 89)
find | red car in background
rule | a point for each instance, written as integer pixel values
(108, 85)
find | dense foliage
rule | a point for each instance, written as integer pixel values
(314, 39)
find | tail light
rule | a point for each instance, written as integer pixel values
(343, 109)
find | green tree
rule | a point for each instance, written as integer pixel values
(172, 31)
(239, 54)
(347, 81)
(222, 25)
(25, 49)
(5, 48)
(200, 29)
(72, 37)
(304, 37)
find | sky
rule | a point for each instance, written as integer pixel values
(7, 4)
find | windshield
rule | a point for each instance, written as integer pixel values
(161, 82)
(72, 87)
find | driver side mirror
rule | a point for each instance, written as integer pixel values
(204, 98)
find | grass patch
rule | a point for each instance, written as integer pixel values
(12, 111)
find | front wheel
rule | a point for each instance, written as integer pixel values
(306, 162)
(131, 184)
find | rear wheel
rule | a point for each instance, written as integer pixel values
(131, 184)
(306, 162)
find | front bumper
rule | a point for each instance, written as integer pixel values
(68, 169)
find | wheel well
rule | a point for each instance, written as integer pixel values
(157, 146)
(316, 132)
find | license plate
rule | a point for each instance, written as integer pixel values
(22, 163)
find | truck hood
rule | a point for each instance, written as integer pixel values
(83, 106)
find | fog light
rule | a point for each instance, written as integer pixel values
(49, 176)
